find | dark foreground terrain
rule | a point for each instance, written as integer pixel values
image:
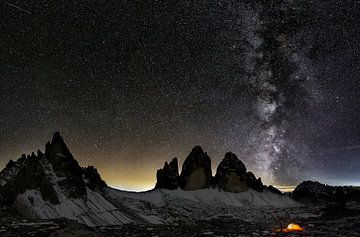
(317, 221)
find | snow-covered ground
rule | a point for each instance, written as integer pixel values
(207, 212)
(212, 197)
(115, 207)
(93, 210)
(178, 206)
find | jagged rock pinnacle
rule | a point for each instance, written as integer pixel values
(231, 174)
(57, 147)
(57, 138)
(196, 171)
(168, 177)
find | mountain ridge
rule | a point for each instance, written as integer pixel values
(231, 174)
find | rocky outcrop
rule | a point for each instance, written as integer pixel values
(168, 177)
(253, 182)
(196, 171)
(231, 174)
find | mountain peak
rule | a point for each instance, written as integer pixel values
(231, 174)
(196, 171)
(56, 169)
(197, 150)
(57, 148)
(57, 138)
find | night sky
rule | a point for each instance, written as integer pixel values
(131, 84)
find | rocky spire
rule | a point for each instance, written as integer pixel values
(231, 174)
(196, 171)
(66, 166)
(168, 177)
(57, 148)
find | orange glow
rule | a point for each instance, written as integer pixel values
(291, 228)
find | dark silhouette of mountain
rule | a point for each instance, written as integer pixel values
(253, 182)
(53, 185)
(65, 166)
(312, 191)
(196, 171)
(25, 174)
(231, 174)
(274, 190)
(37, 172)
(168, 177)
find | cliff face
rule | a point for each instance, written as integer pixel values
(168, 177)
(231, 174)
(196, 171)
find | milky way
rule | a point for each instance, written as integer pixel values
(132, 84)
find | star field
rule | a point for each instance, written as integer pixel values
(131, 84)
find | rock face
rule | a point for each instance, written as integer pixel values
(65, 166)
(231, 174)
(253, 182)
(168, 177)
(196, 171)
(92, 178)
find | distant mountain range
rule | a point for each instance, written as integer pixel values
(52, 185)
